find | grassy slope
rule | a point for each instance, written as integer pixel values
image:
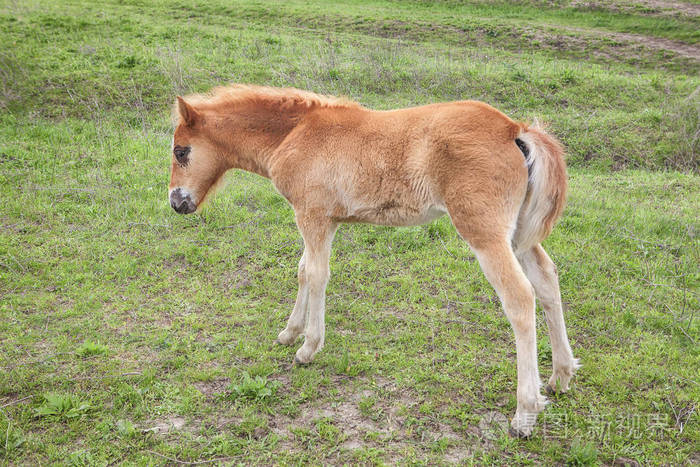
(623, 108)
(417, 349)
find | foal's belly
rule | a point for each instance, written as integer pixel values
(395, 214)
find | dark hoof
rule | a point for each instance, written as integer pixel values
(300, 363)
(550, 391)
(517, 433)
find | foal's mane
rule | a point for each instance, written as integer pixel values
(236, 94)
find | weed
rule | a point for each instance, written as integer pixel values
(327, 431)
(62, 406)
(366, 406)
(80, 458)
(91, 349)
(568, 77)
(125, 428)
(11, 440)
(257, 388)
(581, 454)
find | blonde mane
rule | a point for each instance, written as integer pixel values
(236, 94)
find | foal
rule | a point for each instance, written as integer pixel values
(502, 183)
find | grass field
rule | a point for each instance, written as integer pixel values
(131, 334)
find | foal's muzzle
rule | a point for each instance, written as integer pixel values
(181, 201)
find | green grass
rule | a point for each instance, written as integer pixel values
(615, 107)
(129, 333)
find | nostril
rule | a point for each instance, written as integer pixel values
(175, 198)
(183, 207)
(181, 202)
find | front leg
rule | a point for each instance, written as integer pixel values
(318, 232)
(295, 324)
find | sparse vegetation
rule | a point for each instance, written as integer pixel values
(418, 366)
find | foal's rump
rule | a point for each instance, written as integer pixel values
(500, 177)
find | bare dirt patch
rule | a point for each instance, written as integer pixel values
(375, 415)
(629, 44)
(212, 388)
(658, 43)
(560, 38)
(649, 7)
(164, 426)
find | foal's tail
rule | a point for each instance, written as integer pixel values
(546, 189)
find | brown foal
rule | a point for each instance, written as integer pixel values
(502, 183)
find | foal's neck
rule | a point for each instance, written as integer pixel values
(252, 131)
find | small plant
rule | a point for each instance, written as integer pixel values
(343, 365)
(440, 445)
(629, 319)
(125, 428)
(328, 431)
(89, 349)
(128, 62)
(80, 458)
(10, 440)
(61, 406)
(273, 41)
(366, 406)
(567, 77)
(582, 454)
(258, 388)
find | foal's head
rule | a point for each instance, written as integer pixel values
(196, 163)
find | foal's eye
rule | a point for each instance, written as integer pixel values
(181, 153)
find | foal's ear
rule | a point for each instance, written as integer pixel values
(187, 112)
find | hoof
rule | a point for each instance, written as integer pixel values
(286, 337)
(517, 433)
(300, 363)
(550, 391)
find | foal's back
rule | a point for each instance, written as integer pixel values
(394, 167)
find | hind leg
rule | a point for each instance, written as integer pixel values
(542, 273)
(485, 210)
(502, 270)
